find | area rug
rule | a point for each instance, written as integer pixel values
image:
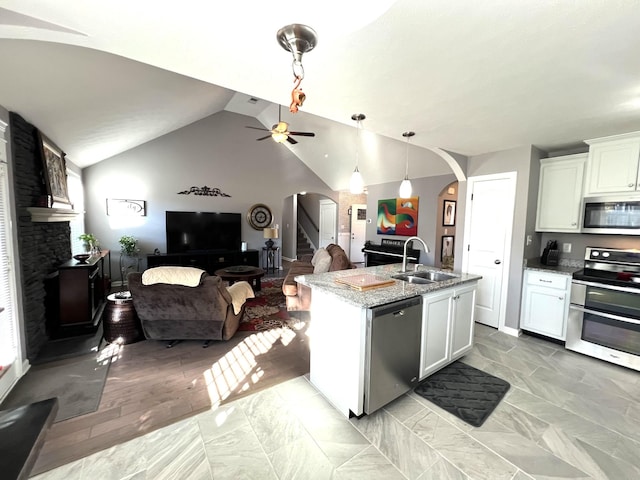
(77, 382)
(466, 392)
(268, 310)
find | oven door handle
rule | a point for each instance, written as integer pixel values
(606, 286)
(605, 315)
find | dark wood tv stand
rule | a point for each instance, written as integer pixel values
(209, 261)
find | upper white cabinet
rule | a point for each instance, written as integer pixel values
(560, 193)
(613, 164)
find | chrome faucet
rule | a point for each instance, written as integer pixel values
(404, 253)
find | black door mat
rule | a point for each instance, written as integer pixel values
(466, 392)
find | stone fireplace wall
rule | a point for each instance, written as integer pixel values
(41, 246)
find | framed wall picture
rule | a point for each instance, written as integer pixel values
(122, 207)
(449, 213)
(55, 170)
(447, 247)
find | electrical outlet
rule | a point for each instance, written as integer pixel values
(529, 240)
(566, 248)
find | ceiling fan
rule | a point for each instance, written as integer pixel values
(280, 131)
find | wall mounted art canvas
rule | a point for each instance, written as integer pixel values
(55, 170)
(398, 216)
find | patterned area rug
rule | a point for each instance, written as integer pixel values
(268, 310)
(466, 392)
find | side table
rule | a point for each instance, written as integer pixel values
(120, 321)
(271, 259)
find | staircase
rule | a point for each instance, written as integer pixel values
(303, 246)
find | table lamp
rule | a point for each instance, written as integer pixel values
(270, 233)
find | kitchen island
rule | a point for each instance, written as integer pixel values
(342, 348)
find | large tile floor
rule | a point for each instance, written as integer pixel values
(565, 416)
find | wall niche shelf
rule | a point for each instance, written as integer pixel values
(43, 214)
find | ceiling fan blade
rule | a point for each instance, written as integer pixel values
(263, 138)
(292, 141)
(257, 128)
(303, 134)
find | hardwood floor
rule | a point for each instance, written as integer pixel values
(150, 386)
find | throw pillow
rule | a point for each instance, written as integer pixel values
(315, 256)
(339, 259)
(323, 262)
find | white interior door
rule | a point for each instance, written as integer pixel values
(328, 209)
(488, 227)
(358, 232)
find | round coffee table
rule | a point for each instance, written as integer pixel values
(242, 272)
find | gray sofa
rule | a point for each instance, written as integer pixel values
(177, 312)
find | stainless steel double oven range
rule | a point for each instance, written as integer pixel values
(604, 315)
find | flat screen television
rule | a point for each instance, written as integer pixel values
(203, 231)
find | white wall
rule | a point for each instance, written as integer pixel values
(217, 151)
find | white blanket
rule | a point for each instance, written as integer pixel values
(187, 276)
(239, 292)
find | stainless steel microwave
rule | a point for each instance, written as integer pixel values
(614, 215)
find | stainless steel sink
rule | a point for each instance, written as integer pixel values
(435, 276)
(411, 278)
(423, 277)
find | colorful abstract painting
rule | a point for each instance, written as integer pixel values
(398, 216)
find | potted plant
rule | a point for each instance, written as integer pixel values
(129, 260)
(90, 242)
(129, 246)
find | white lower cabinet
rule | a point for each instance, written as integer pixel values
(545, 303)
(447, 327)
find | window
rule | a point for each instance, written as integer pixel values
(76, 195)
(9, 346)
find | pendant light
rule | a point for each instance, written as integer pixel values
(356, 184)
(405, 186)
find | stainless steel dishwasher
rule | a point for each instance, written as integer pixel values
(392, 363)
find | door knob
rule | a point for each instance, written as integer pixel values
(497, 262)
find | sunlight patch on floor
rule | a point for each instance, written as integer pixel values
(238, 370)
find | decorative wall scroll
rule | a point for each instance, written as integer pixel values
(55, 170)
(121, 207)
(398, 216)
(205, 191)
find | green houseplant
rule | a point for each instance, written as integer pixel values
(129, 245)
(90, 242)
(129, 260)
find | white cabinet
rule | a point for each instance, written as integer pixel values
(464, 300)
(447, 327)
(560, 193)
(545, 303)
(613, 164)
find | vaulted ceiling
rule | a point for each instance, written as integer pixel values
(468, 77)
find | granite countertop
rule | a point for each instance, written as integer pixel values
(400, 290)
(566, 267)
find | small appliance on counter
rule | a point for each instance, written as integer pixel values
(550, 253)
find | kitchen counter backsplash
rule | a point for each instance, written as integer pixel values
(565, 265)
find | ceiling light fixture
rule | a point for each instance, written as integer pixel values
(405, 186)
(297, 39)
(356, 184)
